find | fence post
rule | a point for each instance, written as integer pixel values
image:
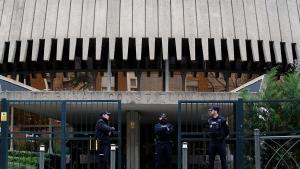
(63, 135)
(184, 155)
(4, 134)
(113, 148)
(239, 128)
(42, 157)
(257, 148)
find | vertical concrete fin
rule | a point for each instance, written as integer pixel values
(151, 48)
(192, 43)
(298, 50)
(60, 45)
(125, 46)
(205, 48)
(218, 49)
(138, 44)
(165, 48)
(98, 48)
(266, 48)
(72, 49)
(178, 43)
(85, 48)
(243, 51)
(112, 42)
(230, 49)
(289, 53)
(277, 51)
(12, 51)
(35, 49)
(47, 49)
(2, 47)
(23, 52)
(254, 48)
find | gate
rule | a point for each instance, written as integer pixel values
(65, 128)
(192, 128)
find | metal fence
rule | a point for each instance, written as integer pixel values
(65, 128)
(192, 128)
(277, 119)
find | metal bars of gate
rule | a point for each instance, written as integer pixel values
(278, 121)
(65, 127)
(192, 119)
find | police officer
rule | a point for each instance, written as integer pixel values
(217, 132)
(163, 146)
(103, 132)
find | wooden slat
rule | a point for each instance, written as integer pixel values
(74, 25)
(26, 27)
(203, 25)
(38, 26)
(5, 26)
(228, 27)
(15, 30)
(126, 25)
(113, 25)
(177, 25)
(62, 26)
(275, 33)
(263, 27)
(100, 25)
(164, 25)
(240, 26)
(190, 25)
(216, 26)
(251, 24)
(87, 29)
(139, 15)
(285, 28)
(50, 26)
(151, 25)
(1, 9)
(295, 23)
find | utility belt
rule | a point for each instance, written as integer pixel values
(163, 142)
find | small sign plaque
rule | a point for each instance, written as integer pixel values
(3, 116)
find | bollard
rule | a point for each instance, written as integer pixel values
(184, 155)
(42, 157)
(257, 148)
(113, 149)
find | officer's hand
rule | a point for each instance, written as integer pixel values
(109, 133)
(113, 129)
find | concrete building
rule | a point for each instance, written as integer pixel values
(118, 46)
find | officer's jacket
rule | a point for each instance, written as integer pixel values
(218, 128)
(103, 130)
(163, 132)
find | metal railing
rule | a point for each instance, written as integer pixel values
(279, 149)
(66, 128)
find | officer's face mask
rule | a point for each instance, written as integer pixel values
(163, 121)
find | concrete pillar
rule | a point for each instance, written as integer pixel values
(133, 140)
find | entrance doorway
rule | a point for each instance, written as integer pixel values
(147, 139)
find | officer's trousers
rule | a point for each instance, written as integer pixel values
(103, 156)
(214, 149)
(163, 155)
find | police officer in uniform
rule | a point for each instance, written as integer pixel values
(217, 132)
(103, 132)
(163, 146)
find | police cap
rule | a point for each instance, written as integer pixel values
(163, 116)
(105, 112)
(216, 108)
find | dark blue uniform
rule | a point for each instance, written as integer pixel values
(163, 145)
(218, 131)
(103, 131)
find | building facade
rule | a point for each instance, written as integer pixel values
(174, 46)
